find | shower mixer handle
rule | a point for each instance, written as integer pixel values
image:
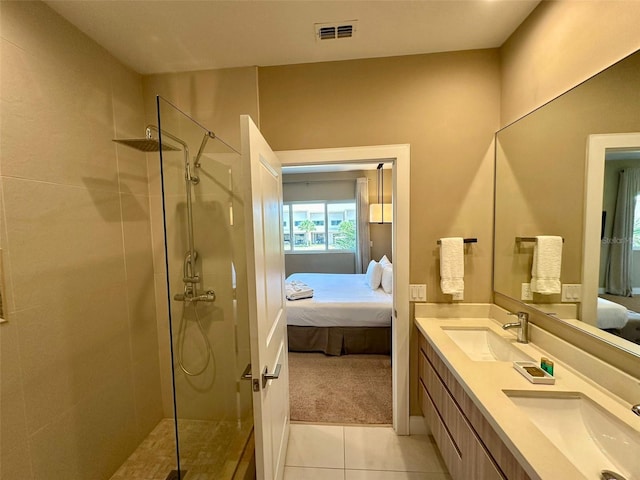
(209, 296)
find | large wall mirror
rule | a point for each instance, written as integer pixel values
(561, 171)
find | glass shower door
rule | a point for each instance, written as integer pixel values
(207, 296)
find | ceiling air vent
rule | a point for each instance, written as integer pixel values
(335, 30)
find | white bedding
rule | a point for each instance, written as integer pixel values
(339, 300)
(611, 314)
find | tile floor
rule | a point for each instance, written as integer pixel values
(328, 452)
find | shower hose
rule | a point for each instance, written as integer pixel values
(181, 336)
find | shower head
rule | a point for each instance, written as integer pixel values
(145, 144)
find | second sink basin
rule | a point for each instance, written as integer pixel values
(484, 345)
(590, 437)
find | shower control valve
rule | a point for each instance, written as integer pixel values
(208, 296)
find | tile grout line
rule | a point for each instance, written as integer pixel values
(344, 453)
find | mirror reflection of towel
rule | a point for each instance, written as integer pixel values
(547, 262)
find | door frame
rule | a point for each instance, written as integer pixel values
(400, 157)
(597, 145)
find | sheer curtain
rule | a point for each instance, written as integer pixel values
(362, 206)
(618, 273)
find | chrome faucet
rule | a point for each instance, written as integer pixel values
(522, 324)
(636, 409)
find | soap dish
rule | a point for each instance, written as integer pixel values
(532, 372)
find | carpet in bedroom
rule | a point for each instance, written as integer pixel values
(345, 390)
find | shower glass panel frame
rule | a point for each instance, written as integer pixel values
(204, 253)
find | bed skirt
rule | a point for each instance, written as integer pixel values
(340, 340)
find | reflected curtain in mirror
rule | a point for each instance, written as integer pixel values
(619, 267)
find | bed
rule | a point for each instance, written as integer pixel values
(344, 316)
(611, 316)
(618, 320)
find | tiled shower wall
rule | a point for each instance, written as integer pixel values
(80, 376)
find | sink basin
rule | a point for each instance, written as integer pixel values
(483, 345)
(589, 436)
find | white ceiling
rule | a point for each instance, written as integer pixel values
(156, 36)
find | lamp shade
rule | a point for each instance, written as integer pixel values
(381, 213)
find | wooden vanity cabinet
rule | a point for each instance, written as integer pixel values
(469, 446)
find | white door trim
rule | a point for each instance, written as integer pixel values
(597, 146)
(400, 157)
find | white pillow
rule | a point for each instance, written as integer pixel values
(384, 261)
(387, 279)
(373, 276)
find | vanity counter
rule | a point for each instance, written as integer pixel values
(484, 382)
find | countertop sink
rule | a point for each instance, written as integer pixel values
(590, 437)
(484, 345)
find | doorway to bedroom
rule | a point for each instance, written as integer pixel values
(341, 270)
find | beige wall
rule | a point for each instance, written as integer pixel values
(80, 383)
(216, 99)
(445, 105)
(561, 44)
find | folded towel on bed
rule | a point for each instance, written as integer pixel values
(297, 290)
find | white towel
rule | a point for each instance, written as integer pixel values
(547, 261)
(296, 290)
(452, 265)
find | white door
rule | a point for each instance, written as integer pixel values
(267, 315)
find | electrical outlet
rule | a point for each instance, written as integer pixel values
(457, 296)
(571, 292)
(526, 293)
(417, 293)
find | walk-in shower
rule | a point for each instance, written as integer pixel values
(202, 250)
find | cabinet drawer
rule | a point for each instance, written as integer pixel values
(444, 403)
(450, 453)
(484, 456)
(483, 466)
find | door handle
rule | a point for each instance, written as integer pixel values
(266, 376)
(246, 375)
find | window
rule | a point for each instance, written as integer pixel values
(319, 226)
(285, 228)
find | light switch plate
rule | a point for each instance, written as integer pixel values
(417, 293)
(571, 292)
(526, 293)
